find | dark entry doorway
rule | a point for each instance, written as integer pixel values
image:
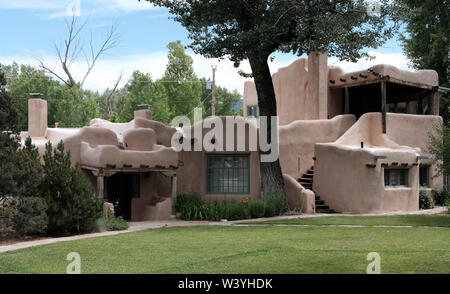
(120, 189)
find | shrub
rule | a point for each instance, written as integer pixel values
(274, 204)
(23, 215)
(30, 217)
(442, 196)
(191, 207)
(256, 208)
(115, 224)
(213, 212)
(8, 210)
(72, 206)
(425, 201)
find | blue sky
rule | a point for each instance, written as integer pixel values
(29, 30)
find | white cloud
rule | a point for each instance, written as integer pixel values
(107, 70)
(58, 8)
(128, 5)
(31, 4)
(398, 60)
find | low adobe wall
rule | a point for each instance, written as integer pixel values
(343, 179)
(298, 138)
(414, 131)
(346, 184)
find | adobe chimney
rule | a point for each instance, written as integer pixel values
(37, 116)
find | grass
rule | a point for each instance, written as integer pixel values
(392, 220)
(250, 249)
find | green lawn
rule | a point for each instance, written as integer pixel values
(393, 220)
(255, 249)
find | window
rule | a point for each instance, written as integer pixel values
(424, 176)
(228, 174)
(396, 177)
(253, 110)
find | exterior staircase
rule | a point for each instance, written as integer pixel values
(307, 182)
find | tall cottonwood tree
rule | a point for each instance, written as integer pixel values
(426, 41)
(254, 29)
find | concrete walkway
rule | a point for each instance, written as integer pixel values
(139, 226)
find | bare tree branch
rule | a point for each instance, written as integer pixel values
(111, 94)
(72, 47)
(109, 43)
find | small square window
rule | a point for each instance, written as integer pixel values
(396, 177)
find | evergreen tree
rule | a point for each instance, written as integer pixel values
(72, 206)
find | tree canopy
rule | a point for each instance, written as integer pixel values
(254, 29)
(426, 40)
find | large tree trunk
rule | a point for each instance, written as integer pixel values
(271, 175)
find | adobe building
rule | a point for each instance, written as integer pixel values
(358, 139)
(348, 142)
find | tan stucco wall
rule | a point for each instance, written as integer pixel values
(341, 175)
(300, 90)
(346, 184)
(414, 130)
(298, 138)
(192, 173)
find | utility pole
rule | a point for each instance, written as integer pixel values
(213, 102)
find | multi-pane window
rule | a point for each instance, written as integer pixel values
(228, 174)
(253, 110)
(396, 177)
(424, 176)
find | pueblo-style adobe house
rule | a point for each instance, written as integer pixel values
(348, 142)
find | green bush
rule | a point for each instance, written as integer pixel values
(115, 224)
(425, 201)
(72, 206)
(191, 207)
(274, 204)
(442, 196)
(23, 215)
(8, 210)
(233, 210)
(30, 217)
(256, 208)
(213, 212)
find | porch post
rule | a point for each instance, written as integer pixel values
(347, 101)
(100, 185)
(174, 193)
(420, 105)
(383, 105)
(433, 105)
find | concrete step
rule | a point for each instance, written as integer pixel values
(322, 207)
(305, 180)
(328, 211)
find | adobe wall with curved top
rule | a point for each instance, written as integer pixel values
(351, 179)
(300, 90)
(414, 130)
(343, 180)
(298, 138)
